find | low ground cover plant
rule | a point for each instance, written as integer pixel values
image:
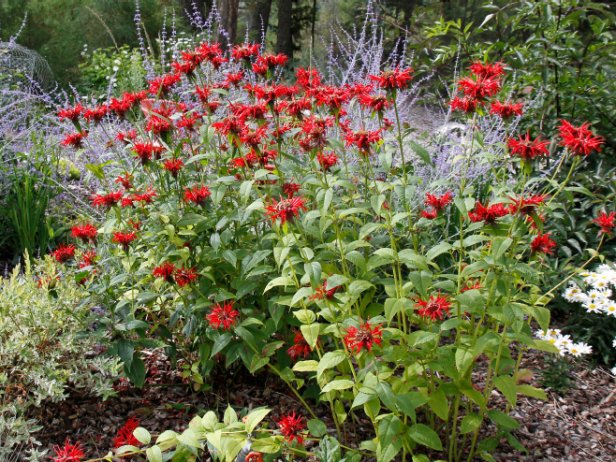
(47, 345)
(291, 228)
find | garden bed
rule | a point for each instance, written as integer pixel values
(577, 424)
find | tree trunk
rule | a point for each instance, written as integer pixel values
(228, 13)
(284, 38)
(258, 19)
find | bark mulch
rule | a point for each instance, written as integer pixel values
(579, 425)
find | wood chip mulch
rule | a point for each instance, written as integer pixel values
(579, 425)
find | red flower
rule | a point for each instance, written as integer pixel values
(526, 148)
(173, 166)
(438, 203)
(68, 453)
(378, 103)
(327, 161)
(74, 139)
(127, 137)
(185, 276)
(223, 316)
(486, 69)
(527, 205)
(71, 113)
(64, 253)
(106, 200)
(234, 78)
(300, 348)
(87, 259)
(429, 214)
(85, 232)
(488, 214)
(436, 307)
(165, 271)
(245, 51)
(197, 194)
(290, 189)
(308, 78)
(543, 243)
(357, 339)
(161, 85)
(606, 221)
(506, 110)
(285, 209)
(124, 239)
(96, 114)
(579, 140)
(465, 104)
(322, 292)
(145, 151)
(363, 139)
(393, 79)
(291, 426)
(125, 434)
(479, 88)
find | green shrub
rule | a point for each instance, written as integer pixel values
(46, 345)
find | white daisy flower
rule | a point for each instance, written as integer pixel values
(579, 349)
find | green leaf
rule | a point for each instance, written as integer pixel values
(306, 366)
(154, 454)
(507, 387)
(230, 416)
(142, 435)
(500, 246)
(136, 372)
(503, 420)
(421, 152)
(191, 219)
(424, 435)
(329, 360)
(389, 438)
(464, 359)
(279, 281)
(533, 392)
(341, 384)
(254, 418)
(387, 396)
(437, 250)
(317, 428)
(439, 404)
(470, 423)
(311, 333)
(267, 445)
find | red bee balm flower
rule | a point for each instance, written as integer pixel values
(357, 339)
(285, 209)
(68, 453)
(173, 166)
(488, 214)
(64, 253)
(363, 140)
(185, 276)
(393, 79)
(125, 434)
(197, 194)
(290, 189)
(106, 200)
(438, 203)
(506, 110)
(526, 148)
(327, 161)
(124, 239)
(300, 348)
(291, 426)
(436, 307)
(223, 316)
(87, 232)
(579, 140)
(479, 88)
(543, 243)
(465, 104)
(164, 271)
(606, 221)
(74, 139)
(486, 69)
(527, 205)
